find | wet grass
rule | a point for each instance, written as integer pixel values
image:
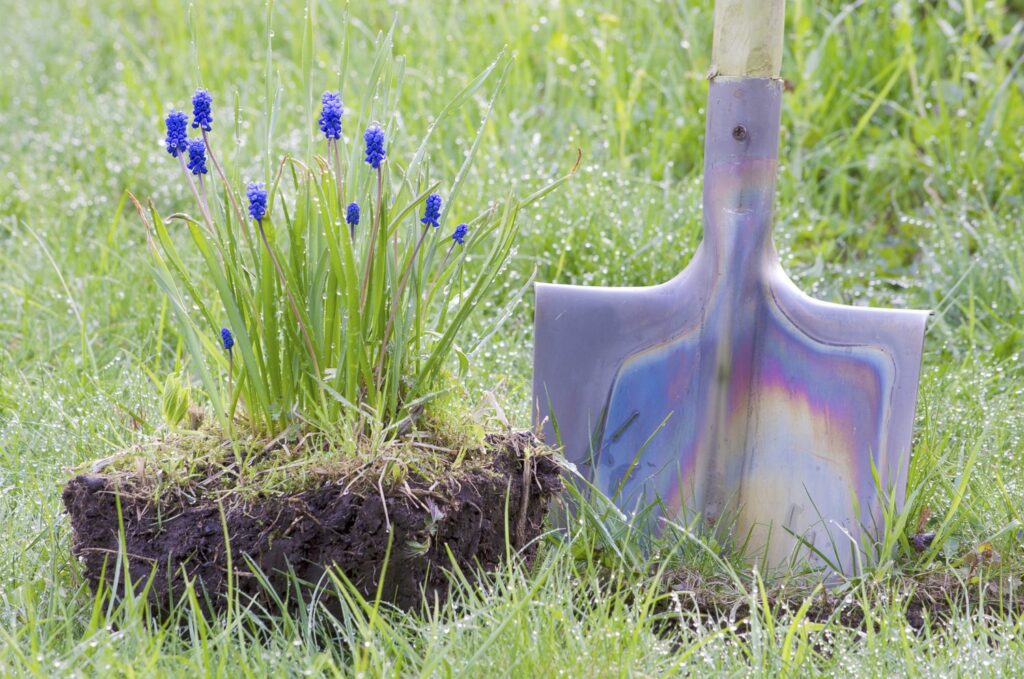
(900, 186)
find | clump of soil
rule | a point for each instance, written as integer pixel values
(335, 524)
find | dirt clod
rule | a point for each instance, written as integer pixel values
(311, 531)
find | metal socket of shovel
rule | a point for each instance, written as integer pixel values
(726, 392)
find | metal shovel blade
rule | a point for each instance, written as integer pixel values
(726, 392)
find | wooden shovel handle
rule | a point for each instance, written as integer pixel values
(748, 38)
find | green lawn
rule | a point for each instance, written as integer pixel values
(901, 185)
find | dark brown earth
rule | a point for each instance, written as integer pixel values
(929, 600)
(314, 530)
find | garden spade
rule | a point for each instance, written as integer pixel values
(726, 393)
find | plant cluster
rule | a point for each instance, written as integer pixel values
(328, 294)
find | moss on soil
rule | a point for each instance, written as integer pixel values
(202, 462)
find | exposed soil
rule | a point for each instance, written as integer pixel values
(928, 600)
(311, 531)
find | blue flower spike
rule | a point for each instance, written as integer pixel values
(330, 115)
(177, 133)
(352, 214)
(257, 196)
(460, 234)
(227, 339)
(197, 156)
(375, 153)
(432, 211)
(201, 116)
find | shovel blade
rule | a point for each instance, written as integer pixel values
(795, 439)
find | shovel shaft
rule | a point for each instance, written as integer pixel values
(748, 38)
(741, 144)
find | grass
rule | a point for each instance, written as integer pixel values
(900, 186)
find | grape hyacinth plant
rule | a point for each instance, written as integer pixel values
(352, 218)
(228, 341)
(330, 116)
(257, 196)
(329, 327)
(375, 153)
(201, 114)
(177, 133)
(352, 214)
(197, 157)
(432, 211)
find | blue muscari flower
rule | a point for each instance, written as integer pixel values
(352, 214)
(201, 116)
(460, 234)
(330, 115)
(257, 196)
(432, 211)
(227, 338)
(375, 153)
(177, 133)
(197, 156)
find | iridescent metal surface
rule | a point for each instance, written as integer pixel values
(726, 391)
